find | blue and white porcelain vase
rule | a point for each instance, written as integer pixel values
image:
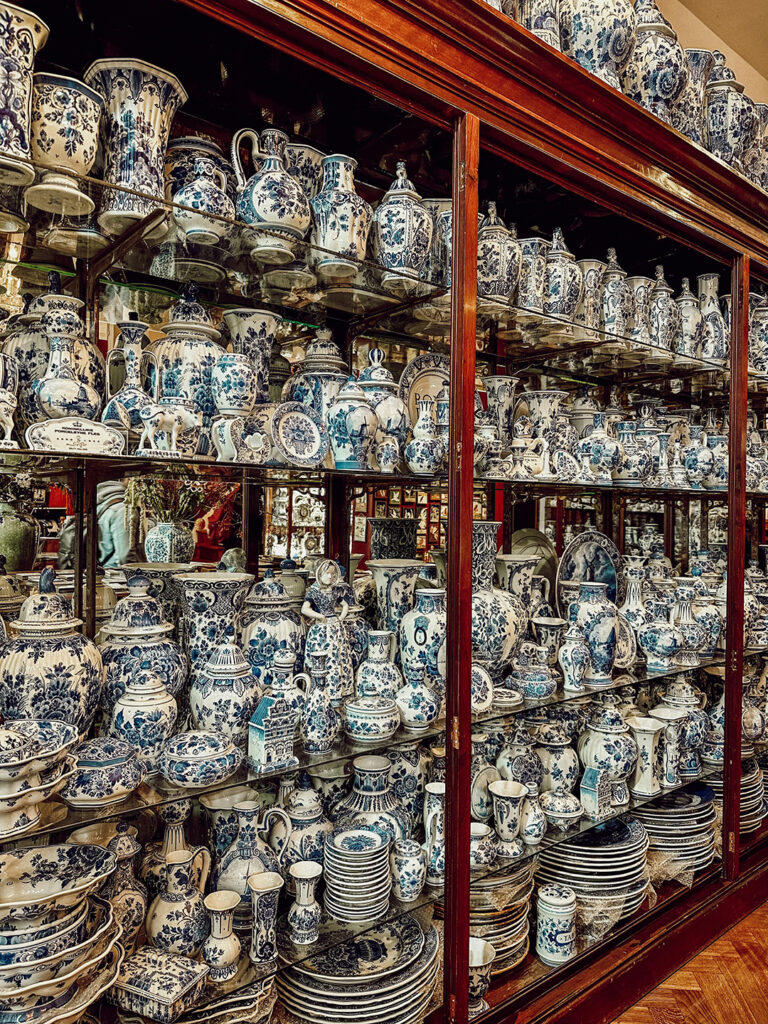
(320, 376)
(124, 652)
(132, 396)
(224, 694)
(564, 280)
(271, 202)
(181, 156)
(352, 425)
(688, 113)
(22, 34)
(533, 824)
(601, 449)
(717, 479)
(408, 776)
(425, 452)
(377, 676)
(371, 800)
(305, 912)
(271, 626)
(501, 404)
(541, 17)
(202, 209)
(698, 458)
(381, 393)
(418, 704)
(221, 950)
(533, 275)
(599, 35)
(434, 832)
(391, 537)
(573, 656)
(598, 619)
(395, 580)
(127, 895)
(636, 461)
(422, 639)
(252, 332)
(309, 828)
(48, 670)
(320, 722)
(617, 301)
(65, 136)
(659, 638)
(342, 220)
(608, 746)
(169, 542)
(497, 621)
(666, 321)
(140, 103)
(402, 234)
(177, 921)
(691, 338)
(145, 716)
(212, 603)
(657, 71)
(499, 262)
(61, 391)
(731, 120)
(234, 384)
(408, 863)
(717, 342)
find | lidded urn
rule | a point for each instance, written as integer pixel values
(731, 121)
(499, 262)
(564, 279)
(666, 319)
(657, 71)
(599, 35)
(402, 233)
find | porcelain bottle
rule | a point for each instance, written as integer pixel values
(666, 321)
(320, 722)
(691, 338)
(573, 656)
(533, 824)
(425, 452)
(377, 676)
(616, 298)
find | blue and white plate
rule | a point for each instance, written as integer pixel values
(591, 557)
(299, 435)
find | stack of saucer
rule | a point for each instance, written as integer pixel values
(752, 810)
(357, 876)
(683, 824)
(498, 912)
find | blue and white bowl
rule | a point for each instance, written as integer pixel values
(370, 719)
(199, 759)
(39, 882)
(108, 770)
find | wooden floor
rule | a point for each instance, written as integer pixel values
(727, 983)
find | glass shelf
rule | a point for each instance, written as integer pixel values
(536, 488)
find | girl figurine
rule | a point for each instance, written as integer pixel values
(326, 633)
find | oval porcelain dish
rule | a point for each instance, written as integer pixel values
(199, 759)
(107, 771)
(40, 881)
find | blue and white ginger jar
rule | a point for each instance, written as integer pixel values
(402, 233)
(599, 35)
(657, 71)
(270, 625)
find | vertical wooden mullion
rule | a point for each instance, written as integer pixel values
(737, 507)
(466, 150)
(90, 495)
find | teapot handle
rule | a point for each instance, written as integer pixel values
(237, 163)
(264, 829)
(306, 679)
(205, 856)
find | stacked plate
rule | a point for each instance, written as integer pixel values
(753, 809)
(683, 823)
(498, 912)
(34, 765)
(357, 875)
(385, 975)
(606, 867)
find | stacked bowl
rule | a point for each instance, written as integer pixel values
(681, 825)
(606, 867)
(357, 874)
(34, 764)
(59, 941)
(384, 975)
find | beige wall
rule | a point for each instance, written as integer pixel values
(693, 32)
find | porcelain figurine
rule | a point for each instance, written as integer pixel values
(224, 694)
(202, 209)
(434, 832)
(271, 202)
(212, 601)
(556, 924)
(145, 716)
(657, 71)
(564, 280)
(22, 35)
(401, 233)
(135, 94)
(425, 452)
(221, 949)
(153, 867)
(127, 895)
(305, 912)
(48, 670)
(499, 262)
(688, 114)
(64, 137)
(270, 628)
(716, 344)
(250, 853)
(177, 921)
(342, 220)
(608, 746)
(731, 118)
(599, 35)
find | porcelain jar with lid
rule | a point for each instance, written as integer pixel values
(688, 113)
(402, 233)
(251, 853)
(352, 426)
(691, 338)
(599, 35)
(608, 746)
(657, 71)
(617, 298)
(371, 800)
(270, 625)
(271, 201)
(717, 478)
(573, 656)
(309, 826)
(499, 261)
(224, 694)
(556, 924)
(731, 124)
(320, 376)
(666, 321)
(106, 772)
(532, 676)
(381, 392)
(48, 670)
(342, 220)
(145, 715)
(564, 280)
(518, 761)
(560, 760)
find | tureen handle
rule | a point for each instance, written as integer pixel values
(237, 163)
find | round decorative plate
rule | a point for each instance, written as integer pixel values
(530, 543)
(375, 953)
(626, 645)
(299, 434)
(426, 376)
(591, 557)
